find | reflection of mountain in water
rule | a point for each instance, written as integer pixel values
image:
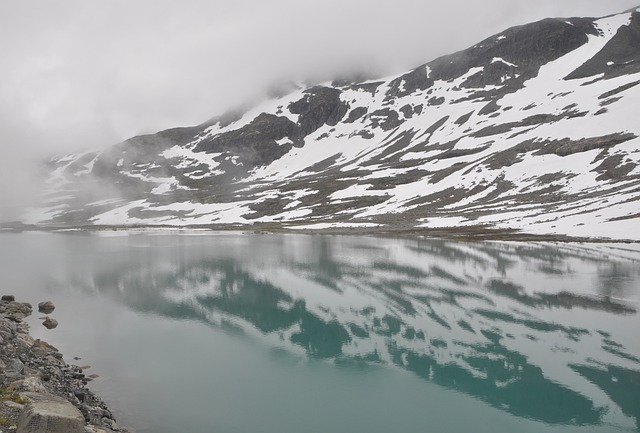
(530, 329)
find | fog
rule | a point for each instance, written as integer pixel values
(85, 74)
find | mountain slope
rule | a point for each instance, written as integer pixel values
(533, 129)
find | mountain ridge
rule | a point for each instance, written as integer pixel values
(531, 129)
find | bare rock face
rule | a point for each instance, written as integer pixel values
(46, 307)
(49, 414)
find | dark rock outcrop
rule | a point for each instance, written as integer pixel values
(320, 106)
(618, 57)
(254, 144)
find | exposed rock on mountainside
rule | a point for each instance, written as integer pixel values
(533, 129)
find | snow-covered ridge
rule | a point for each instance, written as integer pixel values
(533, 129)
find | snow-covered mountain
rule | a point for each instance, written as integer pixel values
(532, 129)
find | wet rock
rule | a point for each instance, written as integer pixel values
(50, 323)
(46, 307)
(50, 414)
(8, 298)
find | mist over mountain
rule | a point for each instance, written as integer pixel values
(534, 129)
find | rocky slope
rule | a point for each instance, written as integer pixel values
(38, 390)
(533, 129)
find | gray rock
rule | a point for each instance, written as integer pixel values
(30, 384)
(8, 298)
(16, 311)
(13, 405)
(49, 414)
(7, 328)
(42, 349)
(46, 307)
(50, 323)
(15, 369)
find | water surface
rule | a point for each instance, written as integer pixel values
(289, 333)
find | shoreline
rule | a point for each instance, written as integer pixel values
(39, 388)
(466, 233)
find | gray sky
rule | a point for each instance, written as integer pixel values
(88, 73)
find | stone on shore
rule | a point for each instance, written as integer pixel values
(41, 392)
(50, 323)
(8, 298)
(46, 307)
(49, 414)
(15, 311)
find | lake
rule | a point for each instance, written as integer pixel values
(229, 332)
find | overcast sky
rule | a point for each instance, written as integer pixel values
(88, 73)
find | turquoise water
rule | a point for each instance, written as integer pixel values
(293, 333)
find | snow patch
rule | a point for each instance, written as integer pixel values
(283, 141)
(501, 60)
(321, 226)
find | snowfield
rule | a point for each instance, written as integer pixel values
(487, 137)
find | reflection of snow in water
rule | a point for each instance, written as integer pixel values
(528, 328)
(542, 331)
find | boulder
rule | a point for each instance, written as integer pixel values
(14, 369)
(30, 384)
(50, 323)
(46, 307)
(49, 414)
(8, 298)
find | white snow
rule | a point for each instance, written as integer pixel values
(501, 60)
(285, 140)
(321, 226)
(356, 190)
(362, 164)
(189, 158)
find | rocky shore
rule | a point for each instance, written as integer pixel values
(39, 391)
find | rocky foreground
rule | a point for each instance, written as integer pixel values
(39, 391)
